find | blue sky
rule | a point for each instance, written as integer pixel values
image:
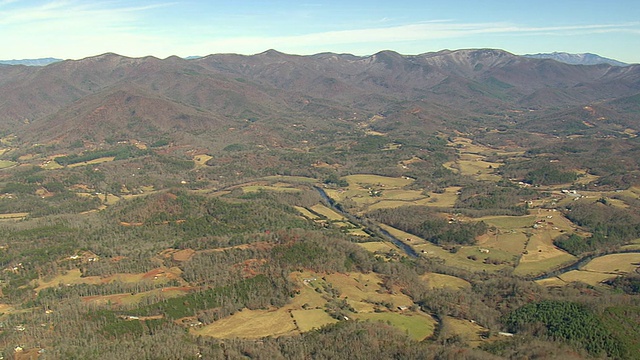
(73, 29)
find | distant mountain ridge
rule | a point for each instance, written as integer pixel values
(259, 96)
(577, 59)
(31, 62)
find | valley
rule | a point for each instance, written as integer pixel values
(419, 205)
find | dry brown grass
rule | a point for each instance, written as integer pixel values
(308, 320)
(614, 263)
(327, 212)
(250, 324)
(469, 332)
(442, 281)
(587, 277)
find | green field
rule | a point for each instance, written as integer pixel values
(6, 164)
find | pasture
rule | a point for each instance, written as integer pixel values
(326, 212)
(93, 162)
(7, 164)
(442, 281)
(614, 263)
(257, 188)
(417, 325)
(307, 320)
(379, 246)
(469, 331)
(306, 213)
(250, 324)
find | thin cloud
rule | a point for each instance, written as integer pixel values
(417, 32)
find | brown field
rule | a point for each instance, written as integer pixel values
(447, 199)
(587, 277)
(614, 263)
(377, 180)
(551, 282)
(74, 277)
(306, 213)
(469, 332)
(418, 325)
(361, 290)
(93, 162)
(308, 320)
(13, 216)
(379, 246)
(6, 164)
(256, 188)
(511, 242)
(327, 212)
(291, 179)
(181, 255)
(442, 281)
(201, 160)
(358, 232)
(542, 266)
(250, 324)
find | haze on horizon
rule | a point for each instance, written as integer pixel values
(74, 29)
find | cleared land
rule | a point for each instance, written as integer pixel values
(311, 319)
(614, 263)
(418, 325)
(469, 331)
(250, 324)
(327, 212)
(93, 162)
(442, 281)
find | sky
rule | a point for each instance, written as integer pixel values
(75, 29)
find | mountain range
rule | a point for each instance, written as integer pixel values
(577, 59)
(30, 62)
(260, 97)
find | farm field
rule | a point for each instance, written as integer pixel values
(469, 331)
(598, 270)
(6, 164)
(418, 325)
(93, 162)
(379, 246)
(327, 212)
(306, 213)
(250, 324)
(459, 259)
(307, 320)
(614, 263)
